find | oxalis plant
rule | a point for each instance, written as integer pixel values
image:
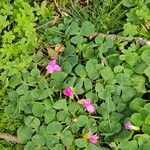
(92, 95)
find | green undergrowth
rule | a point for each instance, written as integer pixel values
(115, 75)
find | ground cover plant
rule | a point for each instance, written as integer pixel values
(65, 84)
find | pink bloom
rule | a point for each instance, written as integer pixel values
(93, 138)
(68, 92)
(53, 66)
(130, 127)
(87, 103)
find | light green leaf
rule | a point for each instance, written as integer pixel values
(60, 104)
(107, 73)
(54, 128)
(38, 109)
(145, 56)
(24, 134)
(130, 29)
(77, 39)
(127, 93)
(87, 84)
(32, 122)
(67, 138)
(38, 140)
(137, 104)
(136, 119)
(80, 70)
(87, 28)
(22, 89)
(81, 143)
(49, 115)
(82, 120)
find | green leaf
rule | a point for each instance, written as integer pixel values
(116, 116)
(15, 80)
(87, 29)
(128, 145)
(99, 87)
(32, 122)
(22, 89)
(99, 39)
(103, 110)
(109, 43)
(74, 29)
(122, 79)
(35, 93)
(51, 140)
(128, 3)
(107, 73)
(130, 29)
(24, 134)
(87, 84)
(145, 56)
(118, 69)
(127, 93)
(109, 127)
(59, 76)
(136, 119)
(67, 138)
(49, 115)
(66, 67)
(140, 67)
(131, 58)
(61, 115)
(60, 104)
(110, 88)
(73, 60)
(147, 72)
(124, 135)
(75, 128)
(54, 128)
(35, 73)
(93, 147)
(121, 107)
(59, 147)
(80, 70)
(29, 146)
(137, 104)
(92, 70)
(77, 39)
(81, 143)
(146, 129)
(38, 109)
(82, 120)
(73, 108)
(38, 140)
(147, 120)
(102, 49)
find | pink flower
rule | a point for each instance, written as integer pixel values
(130, 127)
(53, 66)
(68, 92)
(93, 138)
(87, 103)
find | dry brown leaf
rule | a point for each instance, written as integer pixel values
(52, 53)
(59, 48)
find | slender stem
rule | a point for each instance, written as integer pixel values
(96, 117)
(115, 8)
(66, 128)
(139, 40)
(76, 96)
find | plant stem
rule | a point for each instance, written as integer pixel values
(139, 40)
(9, 137)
